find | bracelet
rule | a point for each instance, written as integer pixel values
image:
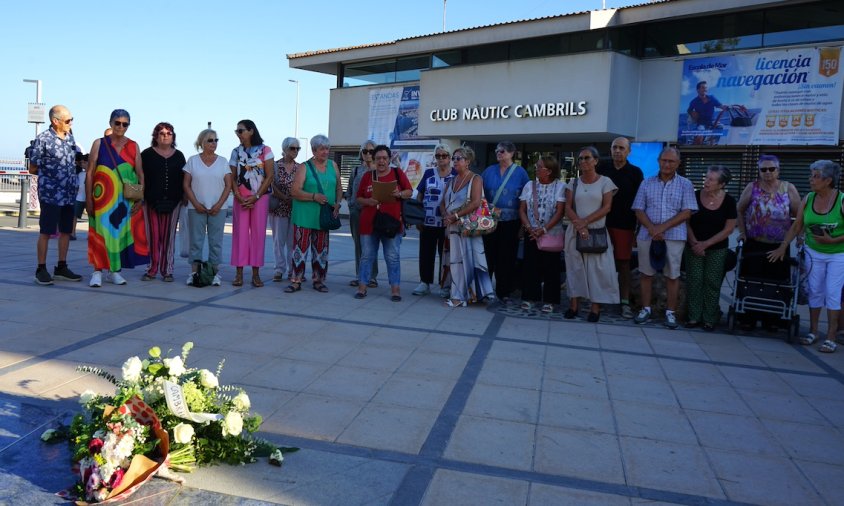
(313, 197)
(456, 217)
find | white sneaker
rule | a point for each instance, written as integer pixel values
(189, 281)
(217, 280)
(670, 320)
(643, 316)
(116, 278)
(422, 289)
(96, 279)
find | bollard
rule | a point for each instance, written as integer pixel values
(24, 207)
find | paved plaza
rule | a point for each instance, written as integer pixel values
(416, 403)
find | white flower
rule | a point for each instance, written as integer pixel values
(232, 424)
(175, 366)
(132, 369)
(183, 433)
(207, 379)
(241, 402)
(86, 397)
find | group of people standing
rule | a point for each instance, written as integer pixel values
(134, 199)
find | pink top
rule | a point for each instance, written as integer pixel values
(768, 217)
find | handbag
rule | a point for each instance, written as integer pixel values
(275, 202)
(553, 243)
(131, 191)
(480, 222)
(597, 240)
(385, 225)
(413, 212)
(327, 220)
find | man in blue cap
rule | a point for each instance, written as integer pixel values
(663, 204)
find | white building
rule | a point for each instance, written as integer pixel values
(556, 83)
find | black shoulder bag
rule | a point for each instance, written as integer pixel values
(327, 220)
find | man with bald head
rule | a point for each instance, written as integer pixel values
(621, 222)
(53, 159)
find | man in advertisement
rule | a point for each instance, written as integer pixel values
(701, 109)
(621, 221)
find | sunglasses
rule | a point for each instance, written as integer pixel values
(441, 157)
(367, 151)
(166, 134)
(239, 131)
(294, 148)
(66, 121)
(212, 140)
(767, 169)
(124, 124)
(499, 151)
(457, 158)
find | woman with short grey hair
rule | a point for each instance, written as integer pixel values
(281, 206)
(821, 218)
(367, 151)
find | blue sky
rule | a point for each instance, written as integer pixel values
(193, 62)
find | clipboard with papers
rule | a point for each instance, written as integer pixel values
(382, 191)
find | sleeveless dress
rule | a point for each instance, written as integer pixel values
(116, 238)
(470, 279)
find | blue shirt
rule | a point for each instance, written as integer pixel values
(432, 188)
(705, 110)
(508, 202)
(56, 161)
(662, 201)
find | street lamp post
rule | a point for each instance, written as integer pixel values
(296, 131)
(24, 207)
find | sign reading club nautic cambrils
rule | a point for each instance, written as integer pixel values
(769, 97)
(481, 113)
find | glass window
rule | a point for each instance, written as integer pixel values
(374, 72)
(804, 23)
(625, 40)
(487, 53)
(539, 46)
(704, 35)
(588, 41)
(408, 69)
(446, 59)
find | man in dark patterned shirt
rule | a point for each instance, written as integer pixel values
(53, 159)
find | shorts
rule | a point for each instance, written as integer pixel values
(55, 217)
(622, 243)
(673, 258)
(78, 209)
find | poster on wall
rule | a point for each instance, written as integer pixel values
(771, 97)
(394, 117)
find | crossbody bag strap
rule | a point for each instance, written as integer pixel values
(535, 200)
(573, 199)
(316, 176)
(510, 172)
(110, 148)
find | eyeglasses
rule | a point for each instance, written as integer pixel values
(540, 166)
(382, 157)
(767, 169)
(124, 124)
(166, 134)
(239, 131)
(457, 158)
(294, 148)
(582, 158)
(212, 140)
(441, 157)
(66, 121)
(367, 151)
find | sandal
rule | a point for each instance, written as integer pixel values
(354, 282)
(527, 306)
(168, 278)
(593, 317)
(293, 287)
(147, 277)
(828, 347)
(808, 339)
(395, 298)
(372, 284)
(360, 295)
(256, 282)
(455, 303)
(570, 314)
(320, 286)
(238, 280)
(548, 308)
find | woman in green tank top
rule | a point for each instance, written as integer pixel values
(821, 218)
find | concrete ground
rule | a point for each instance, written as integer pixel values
(415, 403)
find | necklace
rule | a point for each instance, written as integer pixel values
(714, 198)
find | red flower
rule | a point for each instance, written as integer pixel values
(116, 478)
(95, 446)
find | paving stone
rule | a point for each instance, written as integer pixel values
(492, 442)
(736, 433)
(547, 495)
(661, 423)
(760, 479)
(580, 454)
(464, 489)
(563, 410)
(503, 403)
